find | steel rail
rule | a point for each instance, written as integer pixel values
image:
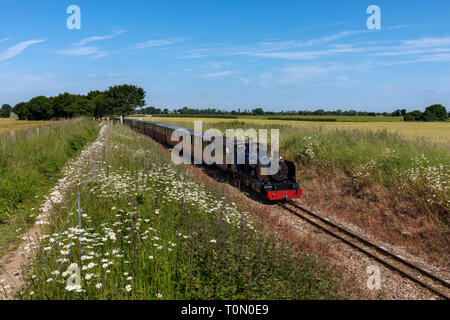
(341, 233)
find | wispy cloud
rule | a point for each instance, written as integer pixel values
(302, 72)
(330, 49)
(98, 38)
(80, 51)
(216, 74)
(5, 39)
(158, 43)
(266, 48)
(427, 42)
(17, 49)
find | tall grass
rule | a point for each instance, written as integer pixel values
(415, 167)
(30, 161)
(150, 231)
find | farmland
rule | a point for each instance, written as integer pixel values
(435, 132)
(7, 125)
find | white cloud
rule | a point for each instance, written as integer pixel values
(98, 38)
(5, 39)
(427, 42)
(158, 43)
(271, 48)
(302, 72)
(308, 55)
(17, 49)
(80, 51)
(216, 74)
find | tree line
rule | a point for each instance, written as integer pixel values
(129, 99)
(434, 112)
(117, 100)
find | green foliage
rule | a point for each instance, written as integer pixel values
(32, 162)
(6, 209)
(416, 115)
(436, 112)
(258, 111)
(125, 99)
(39, 108)
(5, 111)
(119, 100)
(102, 104)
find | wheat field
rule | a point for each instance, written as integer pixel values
(6, 125)
(433, 131)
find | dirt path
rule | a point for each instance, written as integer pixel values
(15, 263)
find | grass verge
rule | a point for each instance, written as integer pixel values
(30, 164)
(149, 231)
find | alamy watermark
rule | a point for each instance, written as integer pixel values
(236, 146)
(74, 20)
(374, 21)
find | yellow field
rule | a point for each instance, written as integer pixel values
(6, 125)
(434, 131)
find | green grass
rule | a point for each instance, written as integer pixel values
(30, 165)
(150, 226)
(418, 168)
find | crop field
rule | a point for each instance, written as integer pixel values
(283, 117)
(435, 132)
(6, 125)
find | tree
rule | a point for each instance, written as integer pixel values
(21, 110)
(258, 111)
(396, 113)
(124, 99)
(416, 115)
(101, 102)
(5, 111)
(435, 112)
(61, 104)
(39, 108)
(81, 106)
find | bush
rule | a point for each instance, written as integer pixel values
(435, 112)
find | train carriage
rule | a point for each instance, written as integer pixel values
(280, 186)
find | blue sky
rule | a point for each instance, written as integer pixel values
(279, 55)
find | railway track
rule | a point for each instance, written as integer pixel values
(394, 262)
(405, 268)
